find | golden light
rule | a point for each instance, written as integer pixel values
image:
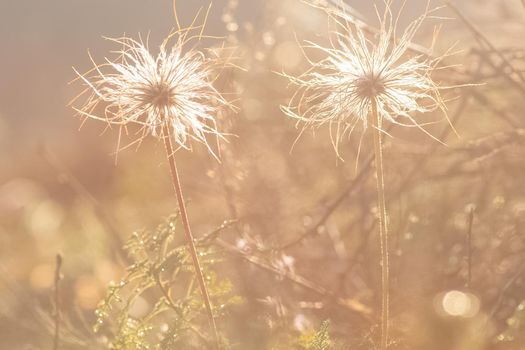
(42, 276)
(456, 303)
(288, 54)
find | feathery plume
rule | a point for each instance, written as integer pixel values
(174, 89)
(170, 96)
(340, 89)
(364, 80)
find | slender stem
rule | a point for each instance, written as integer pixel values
(56, 341)
(350, 304)
(187, 230)
(469, 246)
(165, 292)
(383, 232)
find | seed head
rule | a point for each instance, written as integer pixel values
(358, 70)
(173, 89)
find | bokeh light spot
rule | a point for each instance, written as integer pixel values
(288, 54)
(42, 276)
(458, 304)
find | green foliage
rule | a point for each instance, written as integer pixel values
(319, 340)
(157, 304)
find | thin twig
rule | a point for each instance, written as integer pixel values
(470, 220)
(351, 304)
(58, 266)
(501, 71)
(479, 35)
(502, 113)
(358, 179)
(353, 260)
(383, 230)
(361, 176)
(187, 230)
(501, 296)
(165, 292)
(471, 92)
(79, 189)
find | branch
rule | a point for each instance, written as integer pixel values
(58, 266)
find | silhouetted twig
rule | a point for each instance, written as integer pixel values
(501, 295)
(470, 220)
(58, 266)
(483, 39)
(351, 304)
(361, 176)
(79, 189)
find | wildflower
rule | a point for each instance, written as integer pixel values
(174, 89)
(340, 90)
(170, 96)
(363, 81)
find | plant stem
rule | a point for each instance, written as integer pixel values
(187, 230)
(58, 266)
(469, 247)
(383, 232)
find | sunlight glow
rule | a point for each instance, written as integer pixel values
(459, 304)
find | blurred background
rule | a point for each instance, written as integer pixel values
(309, 217)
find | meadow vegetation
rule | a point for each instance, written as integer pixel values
(349, 185)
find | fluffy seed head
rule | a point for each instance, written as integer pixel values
(357, 71)
(173, 89)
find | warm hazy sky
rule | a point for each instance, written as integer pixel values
(42, 40)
